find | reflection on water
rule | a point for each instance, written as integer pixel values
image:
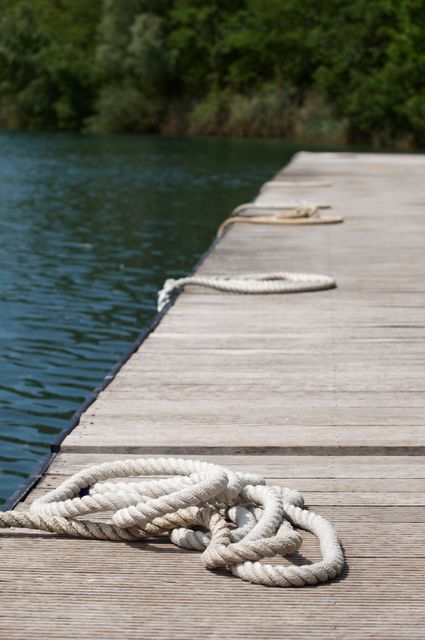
(89, 228)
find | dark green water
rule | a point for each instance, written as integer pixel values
(89, 229)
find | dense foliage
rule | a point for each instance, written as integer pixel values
(335, 70)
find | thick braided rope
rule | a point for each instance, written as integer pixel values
(233, 518)
(284, 282)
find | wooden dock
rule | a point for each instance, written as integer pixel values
(322, 392)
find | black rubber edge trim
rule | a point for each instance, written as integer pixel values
(23, 490)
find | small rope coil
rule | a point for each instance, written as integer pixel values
(298, 215)
(288, 208)
(234, 519)
(283, 282)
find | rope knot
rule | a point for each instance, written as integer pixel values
(164, 295)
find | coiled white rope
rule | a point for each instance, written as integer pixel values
(284, 282)
(234, 519)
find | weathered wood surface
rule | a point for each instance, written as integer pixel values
(71, 587)
(317, 389)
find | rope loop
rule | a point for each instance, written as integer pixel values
(281, 282)
(234, 519)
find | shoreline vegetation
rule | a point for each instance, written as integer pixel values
(350, 72)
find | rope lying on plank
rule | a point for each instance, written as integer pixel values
(289, 216)
(297, 184)
(291, 208)
(284, 282)
(234, 519)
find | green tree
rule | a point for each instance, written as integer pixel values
(46, 61)
(371, 66)
(133, 66)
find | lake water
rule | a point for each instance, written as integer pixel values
(90, 226)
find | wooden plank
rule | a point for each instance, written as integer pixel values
(202, 436)
(121, 593)
(386, 468)
(396, 490)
